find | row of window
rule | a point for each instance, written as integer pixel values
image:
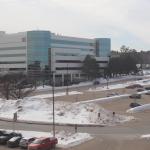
(11, 55)
(68, 61)
(72, 42)
(12, 48)
(69, 68)
(66, 54)
(76, 61)
(12, 62)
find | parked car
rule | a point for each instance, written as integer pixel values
(148, 93)
(2, 132)
(96, 82)
(43, 143)
(147, 88)
(133, 86)
(136, 96)
(7, 136)
(24, 142)
(14, 142)
(112, 94)
(140, 90)
(132, 105)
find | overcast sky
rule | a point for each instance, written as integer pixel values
(126, 22)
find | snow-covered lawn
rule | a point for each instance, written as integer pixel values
(35, 109)
(65, 139)
(56, 94)
(139, 108)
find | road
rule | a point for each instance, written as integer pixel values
(134, 128)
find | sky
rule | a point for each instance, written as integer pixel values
(126, 22)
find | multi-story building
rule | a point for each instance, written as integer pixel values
(62, 54)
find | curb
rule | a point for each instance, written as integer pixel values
(49, 123)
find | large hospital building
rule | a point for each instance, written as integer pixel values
(62, 54)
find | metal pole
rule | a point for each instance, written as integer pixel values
(67, 90)
(53, 89)
(107, 82)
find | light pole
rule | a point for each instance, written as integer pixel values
(67, 90)
(53, 91)
(107, 81)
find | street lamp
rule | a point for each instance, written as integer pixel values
(53, 90)
(67, 89)
(107, 81)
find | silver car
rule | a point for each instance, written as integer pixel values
(26, 141)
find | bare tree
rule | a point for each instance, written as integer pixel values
(12, 86)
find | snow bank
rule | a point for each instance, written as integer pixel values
(146, 136)
(35, 109)
(105, 99)
(43, 87)
(139, 108)
(146, 72)
(66, 140)
(56, 94)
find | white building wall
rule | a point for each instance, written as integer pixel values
(13, 49)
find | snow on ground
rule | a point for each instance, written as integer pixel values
(65, 139)
(105, 99)
(146, 136)
(56, 94)
(35, 109)
(44, 87)
(143, 82)
(146, 73)
(139, 108)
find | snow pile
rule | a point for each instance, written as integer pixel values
(110, 87)
(105, 99)
(34, 109)
(146, 72)
(139, 108)
(56, 94)
(43, 87)
(65, 139)
(146, 136)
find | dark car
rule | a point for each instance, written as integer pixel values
(132, 105)
(147, 88)
(140, 90)
(136, 96)
(2, 132)
(14, 142)
(24, 142)
(96, 83)
(112, 94)
(133, 86)
(7, 136)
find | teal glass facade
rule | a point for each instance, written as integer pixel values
(38, 43)
(103, 47)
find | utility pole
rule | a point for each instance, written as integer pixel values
(67, 90)
(107, 81)
(53, 91)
